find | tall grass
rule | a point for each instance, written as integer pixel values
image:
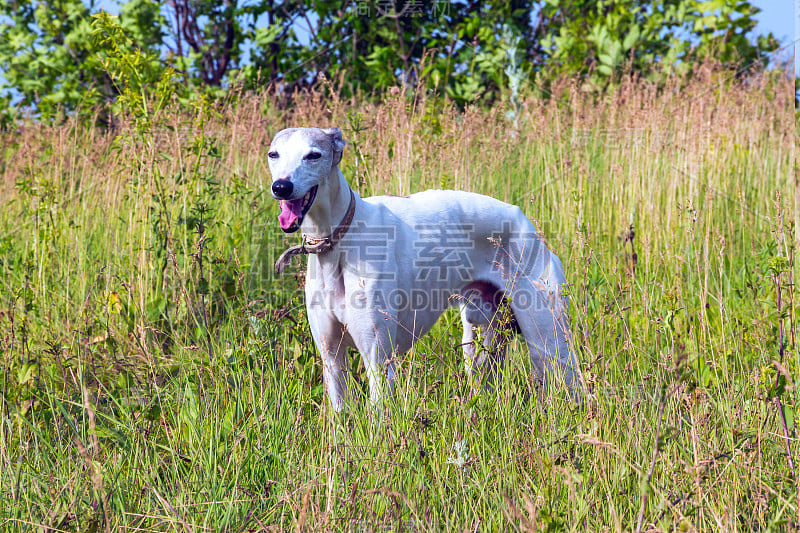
(671, 210)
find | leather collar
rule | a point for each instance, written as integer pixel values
(318, 246)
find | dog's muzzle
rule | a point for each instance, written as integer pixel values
(293, 211)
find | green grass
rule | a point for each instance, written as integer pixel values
(673, 214)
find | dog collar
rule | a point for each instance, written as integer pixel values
(318, 246)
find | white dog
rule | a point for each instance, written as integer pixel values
(383, 269)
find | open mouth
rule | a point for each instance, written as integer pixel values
(293, 211)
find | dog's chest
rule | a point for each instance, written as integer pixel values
(326, 275)
(325, 286)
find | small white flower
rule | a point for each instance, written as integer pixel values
(462, 455)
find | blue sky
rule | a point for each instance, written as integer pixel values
(777, 16)
(782, 18)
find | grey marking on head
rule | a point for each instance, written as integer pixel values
(329, 138)
(337, 141)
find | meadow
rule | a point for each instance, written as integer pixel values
(157, 375)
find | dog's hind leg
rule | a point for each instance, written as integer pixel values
(541, 314)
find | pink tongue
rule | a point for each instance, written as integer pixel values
(290, 212)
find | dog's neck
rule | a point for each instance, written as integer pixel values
(330, 206)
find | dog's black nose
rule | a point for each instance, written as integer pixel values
(282, 188)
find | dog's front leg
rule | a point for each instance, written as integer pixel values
(332, 342)
(334, 374)
(378, 354)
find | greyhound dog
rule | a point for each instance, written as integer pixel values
(381, 270)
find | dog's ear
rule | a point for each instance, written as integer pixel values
(337, 141)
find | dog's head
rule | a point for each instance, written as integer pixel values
(302, 159)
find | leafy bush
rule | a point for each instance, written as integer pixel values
(52, 65)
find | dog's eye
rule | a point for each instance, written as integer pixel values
(273, 155)
(311, 156)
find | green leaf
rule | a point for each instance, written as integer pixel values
(631, 38)
(712, 5)
(791, 414)
(27, 372)
(605, 70)
(268, 35)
